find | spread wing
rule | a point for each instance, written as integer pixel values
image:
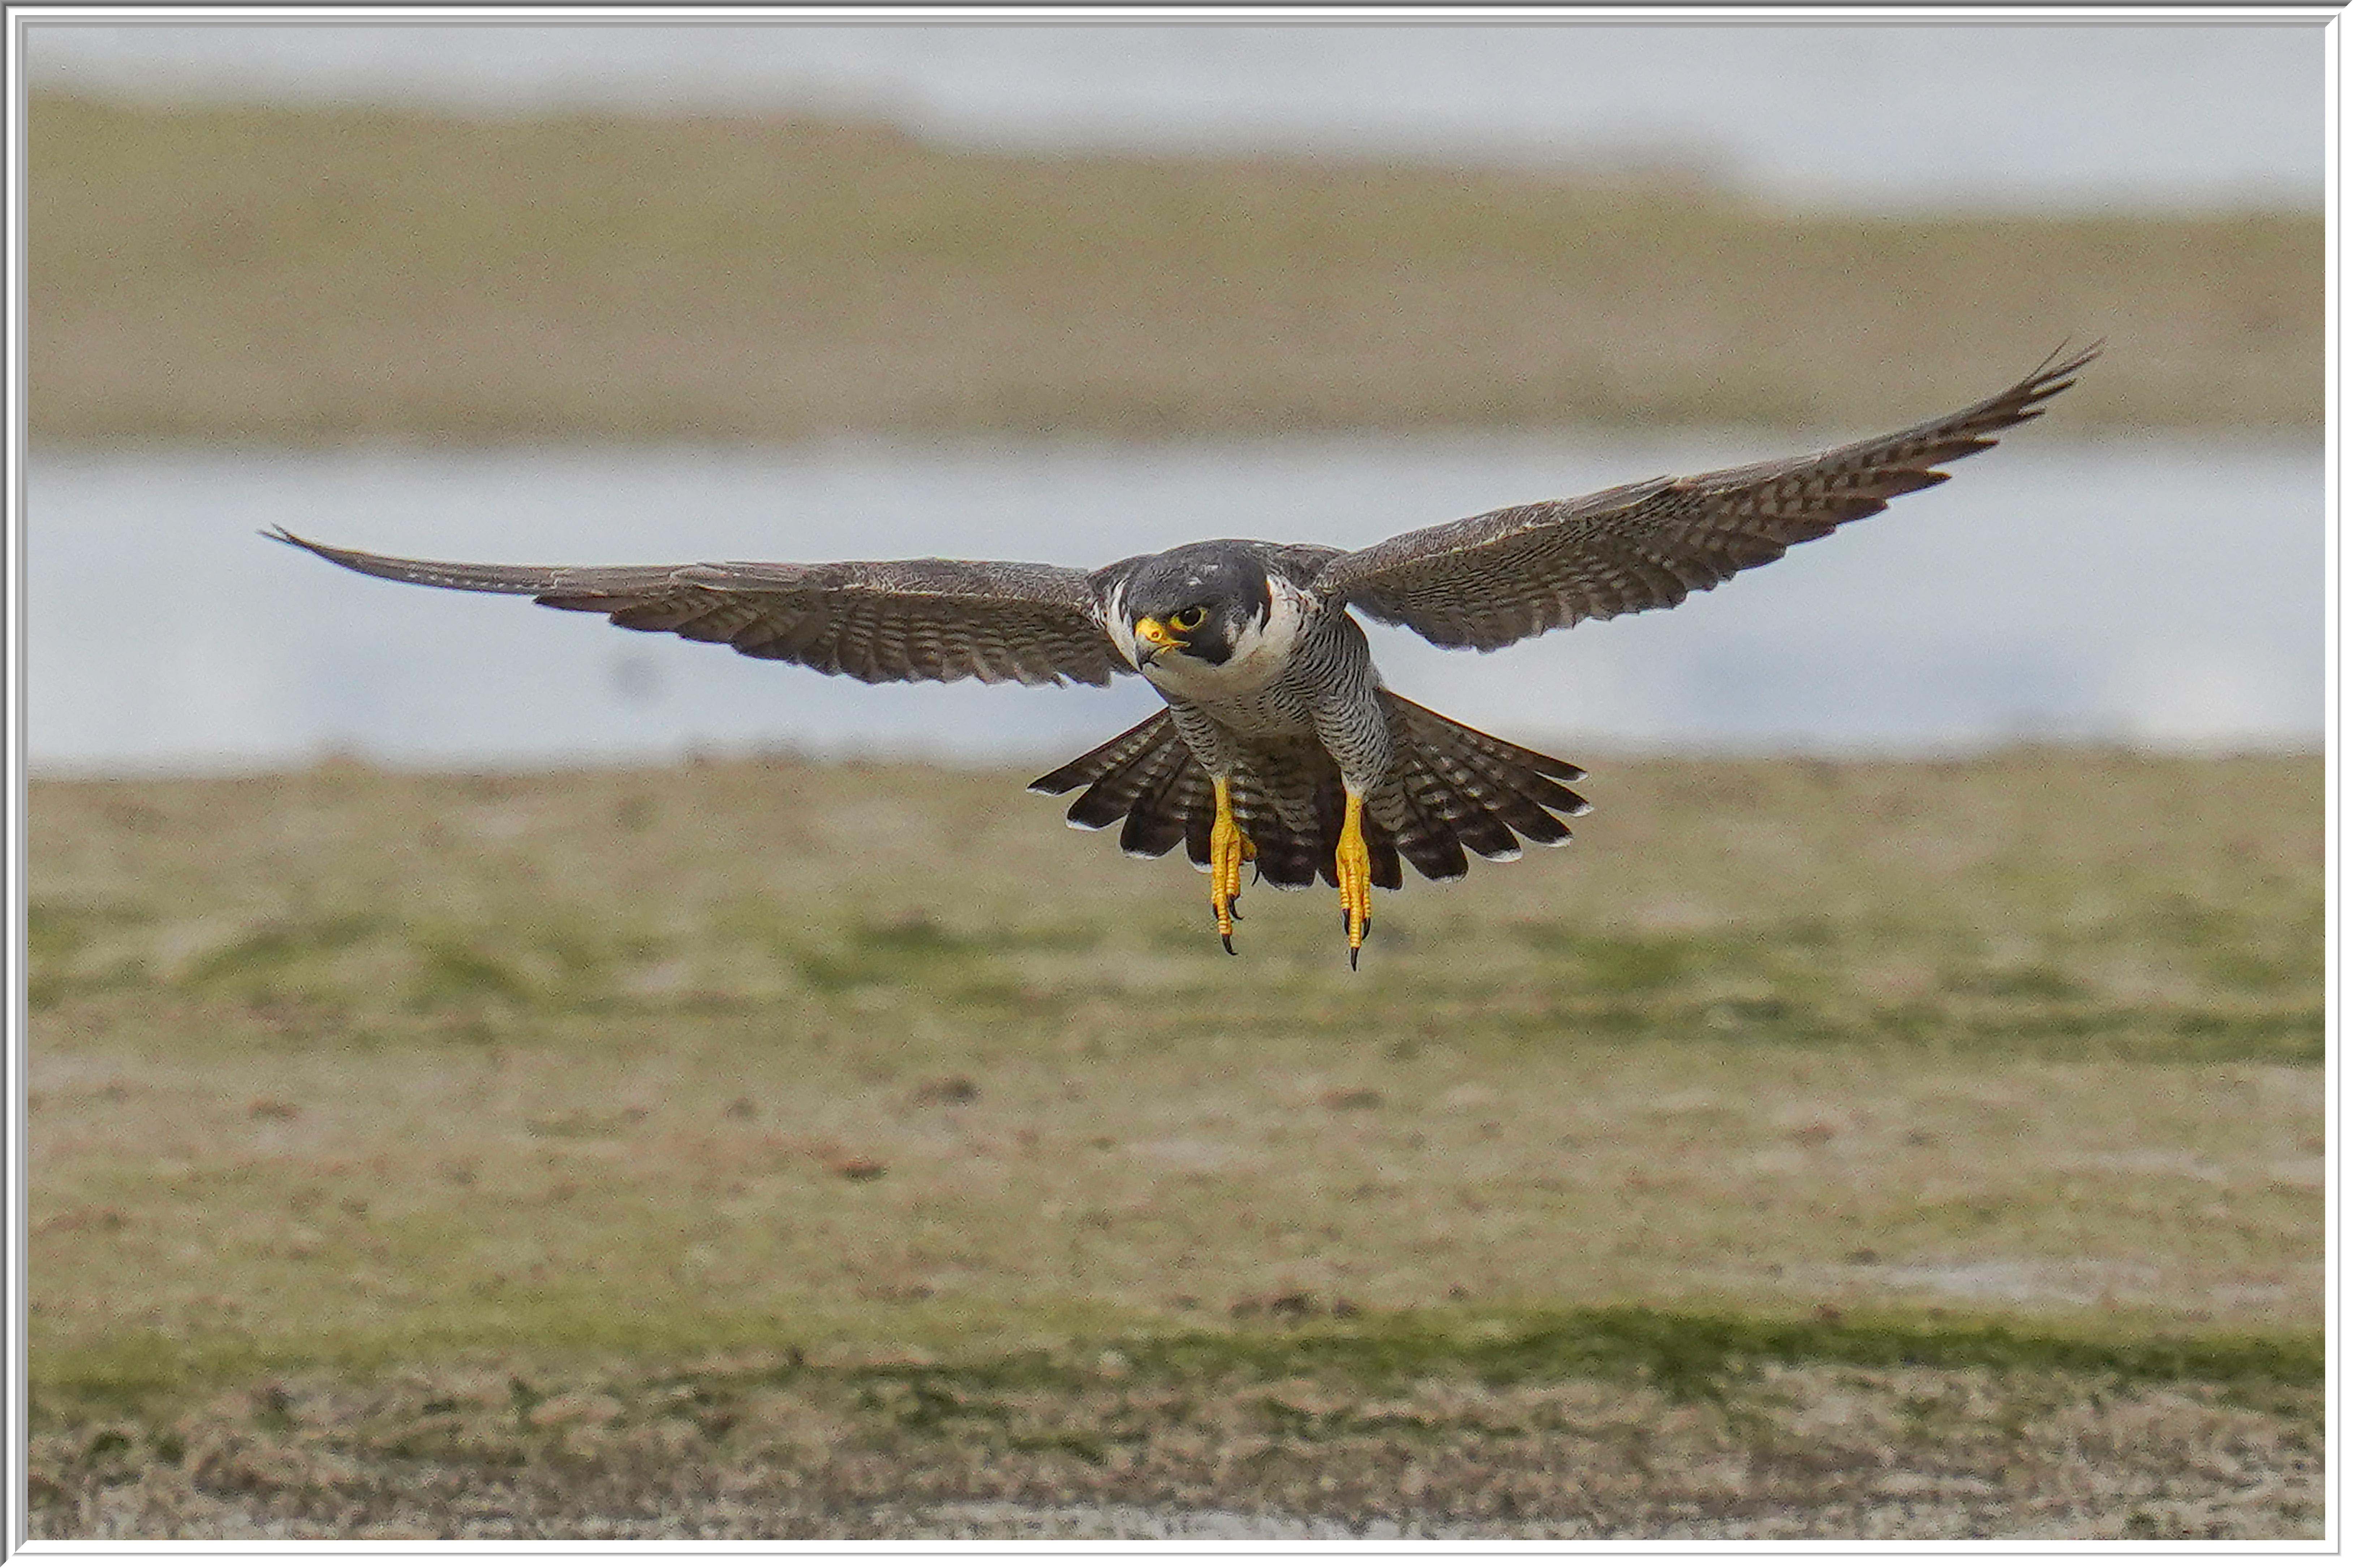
(874, 620)
(1491, 580)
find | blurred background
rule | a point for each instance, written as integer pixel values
(624, 293)
(431, 1139)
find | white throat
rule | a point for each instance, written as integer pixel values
(1261, 653)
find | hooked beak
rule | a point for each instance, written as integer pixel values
(1153, 639)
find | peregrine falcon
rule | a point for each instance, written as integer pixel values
(1278, 746)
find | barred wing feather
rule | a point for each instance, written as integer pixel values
(1488, 581)
(870, 620)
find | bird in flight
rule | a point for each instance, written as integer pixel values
(1278, 746)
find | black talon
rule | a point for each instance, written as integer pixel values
(1352, 959)
(1229, 945)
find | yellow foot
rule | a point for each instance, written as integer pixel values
(1227, 849)
(1354, 867)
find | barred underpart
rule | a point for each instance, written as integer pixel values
(1452, 789)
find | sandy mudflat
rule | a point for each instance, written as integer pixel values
(765, 1148)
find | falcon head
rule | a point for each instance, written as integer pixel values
(1201, 604)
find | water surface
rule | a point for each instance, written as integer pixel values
(2162, 594)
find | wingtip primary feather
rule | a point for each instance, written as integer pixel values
(350, 559)
(2059, 369)
(2059, 363)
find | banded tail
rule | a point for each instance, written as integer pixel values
(1452, 789)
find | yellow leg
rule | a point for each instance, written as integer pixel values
(1355, 866)
(1227, 849)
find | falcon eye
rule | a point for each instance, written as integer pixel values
(1190, 617)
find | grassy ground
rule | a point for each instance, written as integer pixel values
(759, 1147)
(294, 275)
